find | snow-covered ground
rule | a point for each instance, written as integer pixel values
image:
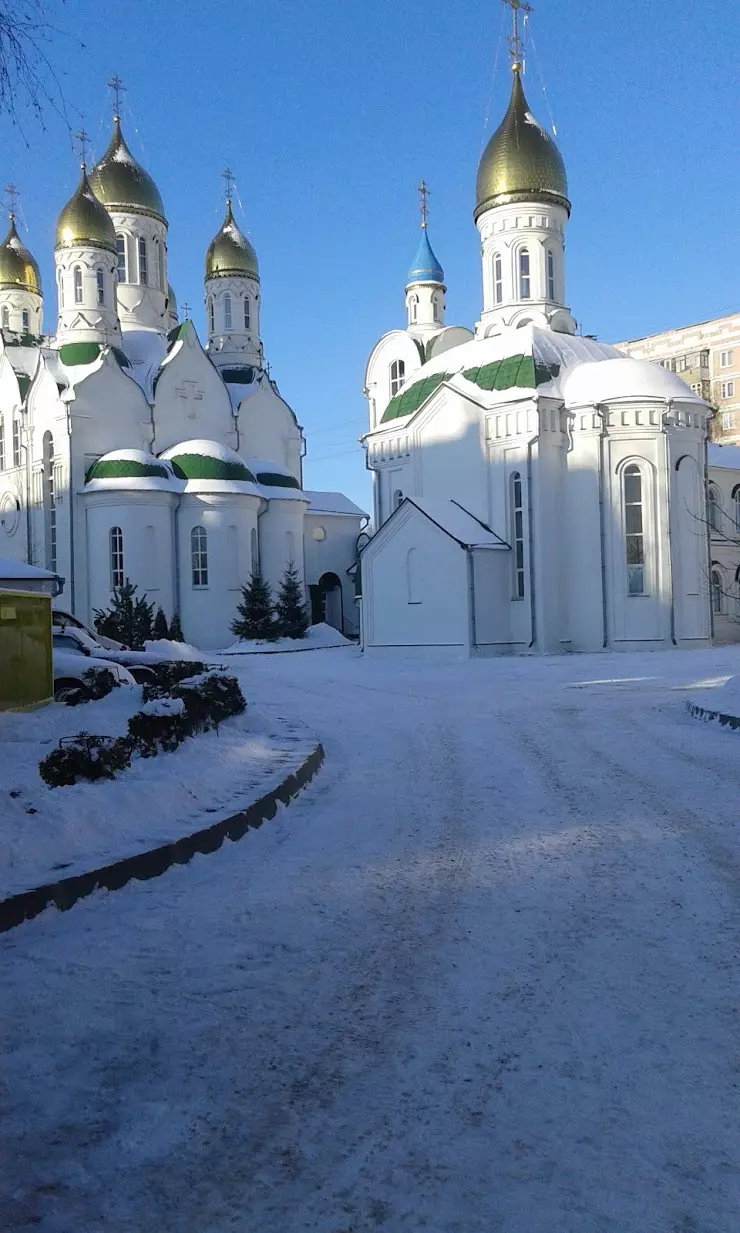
(318, 637)
(482, 975)
(50, 833)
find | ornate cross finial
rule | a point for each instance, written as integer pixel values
(83, 139)
(13, 195)
(227, 176)
(186, 311)
(516, 45)
(424, 193)
(116, 85)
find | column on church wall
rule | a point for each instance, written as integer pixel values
(581, 536)
(208, 603)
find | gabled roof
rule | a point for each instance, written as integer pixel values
(450, 518)
(332, 503)
(725, 456)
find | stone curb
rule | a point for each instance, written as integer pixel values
(67, 891)
(700, 712)
(296, 650)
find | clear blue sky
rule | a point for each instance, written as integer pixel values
(329, 114)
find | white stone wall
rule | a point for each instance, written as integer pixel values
(229, 519)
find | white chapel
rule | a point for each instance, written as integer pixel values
(128, 450)
(536, 490)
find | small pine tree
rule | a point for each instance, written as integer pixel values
(129, 618)
(256, 617)
(176, 629)
(160, 625)
(292, 614)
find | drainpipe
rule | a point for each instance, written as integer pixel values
(669, 537)
(72, 505)
(472, 631)
(29, 533)
(708, 528)
(176, 552)
(602, 414)
(530, 540)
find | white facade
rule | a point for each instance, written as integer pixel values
(129, 453)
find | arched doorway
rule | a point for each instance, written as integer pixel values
(327, 603)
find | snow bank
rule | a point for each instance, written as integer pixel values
(176, 650)
(723, 698)
(318, 636)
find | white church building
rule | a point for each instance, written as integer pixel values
(128, 450)
(536, 490)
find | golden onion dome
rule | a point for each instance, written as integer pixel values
(121, 183)
(521, 161)
(230, 254)
(17, 267)
(84, 220)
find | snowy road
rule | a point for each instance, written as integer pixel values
(483, 975)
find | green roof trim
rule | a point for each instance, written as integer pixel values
(273, 479)
(178, 331)
(409, 400)
(24, 382)
(204, 467)
(126, 468)
(72, 354)
(515, 371)
(238, 376)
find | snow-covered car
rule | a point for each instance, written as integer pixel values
(70, 668)
(66, 620)
(79, 641)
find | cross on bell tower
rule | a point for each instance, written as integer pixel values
(227, 176)
(82, 140)
(516, 43)
(424, 194)
(12, 195)
(116, 85)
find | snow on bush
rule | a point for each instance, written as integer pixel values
(85, 757)
(173, 650)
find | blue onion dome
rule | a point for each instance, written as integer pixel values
(425, 268)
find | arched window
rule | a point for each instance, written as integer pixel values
(121, 262)
(246, 312)
(714, 507)
(199, 556)
(143, 265)
(26, 321)
(255, 552)
(717, 592)
(525, 281)
(227, 311)
(5, 318)
(414, 307)
(2, 444)
(412, 576)
(211, 317)
(498, 279)
(397, 498)
(736, 503)
(16, 441)
(160, 266)
(100, 284)
(50, 508)
(60, 286)
(550, 274)
(435, 308)
(290, 547)
(78, 284)
(517, 533)
(398, 373)
(116, 557)
(634, 530)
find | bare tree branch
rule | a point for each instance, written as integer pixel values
(28, 80)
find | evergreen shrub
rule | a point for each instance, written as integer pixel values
(130, 619)
(168, 674)
(256, 614)
(290, 609)
(98, 683)
(209, 699)
(85, 757)
(159, 727)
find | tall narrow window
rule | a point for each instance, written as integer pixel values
(16, 441)
(2, 444)
(116, 557)
(397, 498)
(26, 321)
(246, 312)
(78, 284)
(517, 533)
(498, 279)
(398, 373)
(634, 531)
(143, 270)
(717, 592)
(227, 311)
(160, 266)
(199, 556)
(436, 315)
(121, 261)
(60, 284)
(736, 504)
(550, 274)
(525, 281)
(714, 507)
(5, 318)
(211, 319)
(414, 306)
(50, 508)
(100, 284)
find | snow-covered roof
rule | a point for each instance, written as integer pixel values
(210, 465)
(13, 571)
(145, 350)
(456, 522)
(623, 377)
(132, 469)
(726, 456)
(332, 503)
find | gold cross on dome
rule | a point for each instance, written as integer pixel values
(424, 193)
(116, 85)
(516, 44)
(227, 176)
(186, 310)
(83, 139)
(13, 195)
